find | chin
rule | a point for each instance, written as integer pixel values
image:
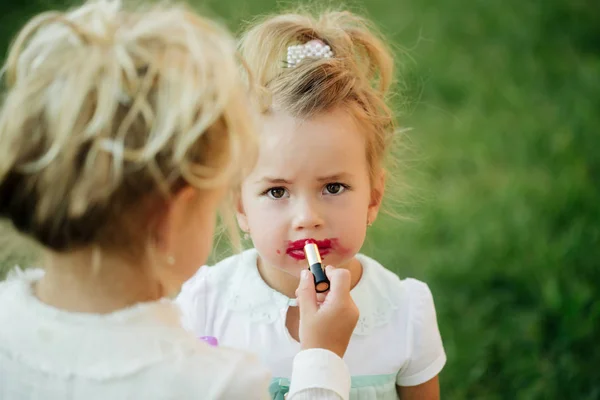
(287, 265)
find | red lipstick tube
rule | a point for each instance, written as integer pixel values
(316, 267)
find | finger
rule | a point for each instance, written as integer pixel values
(340, 281)
(321, 297)
(307, 295)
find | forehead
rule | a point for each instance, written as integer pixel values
(324, 143)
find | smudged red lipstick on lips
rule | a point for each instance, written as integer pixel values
(296, 249)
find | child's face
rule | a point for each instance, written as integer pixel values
(311, 181)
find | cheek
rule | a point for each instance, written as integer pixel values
(265, 216)
(267, 230)
(268, 226)
(350, 221)
(352, 238)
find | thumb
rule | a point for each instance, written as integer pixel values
(307, 295)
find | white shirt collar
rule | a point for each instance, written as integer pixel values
(247, 293)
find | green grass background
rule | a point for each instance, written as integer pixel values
(503, 98)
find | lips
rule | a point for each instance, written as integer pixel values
(296, 249)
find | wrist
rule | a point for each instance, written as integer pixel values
(335, 348)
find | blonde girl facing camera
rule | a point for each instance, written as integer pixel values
(120, 131)
(320, 176)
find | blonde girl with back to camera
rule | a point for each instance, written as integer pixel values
(320, 175)
(120, 131)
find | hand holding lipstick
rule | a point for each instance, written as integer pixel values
(330, 324)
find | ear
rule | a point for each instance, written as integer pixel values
(377, 192)
(240, 213)
(173, 217)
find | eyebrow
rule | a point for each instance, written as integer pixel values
(277, 181)
(335, 177)
(283, 181)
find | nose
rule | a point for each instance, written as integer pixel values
(306, 215)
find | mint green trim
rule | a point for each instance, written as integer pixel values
(280, 386)
(372, 380)
(357, 381)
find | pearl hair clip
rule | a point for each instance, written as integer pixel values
(314, 49)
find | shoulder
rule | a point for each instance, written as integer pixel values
(220, 273)
(16, 288)
(20, 277)
(212, 289)
(406, 290)
(383, 297)
(377, 279)
(249, 378)
(420, 299)
(214, 281)
(417, 291)
(218, 372)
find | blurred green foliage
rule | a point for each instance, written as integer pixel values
(504, 101)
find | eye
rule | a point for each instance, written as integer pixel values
(277, 193)
(335, 188)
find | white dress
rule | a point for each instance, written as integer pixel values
(396, 341)
(137, 353)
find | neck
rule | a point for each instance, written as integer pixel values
(93, 282)
(287, 284)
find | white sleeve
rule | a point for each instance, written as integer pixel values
(193, 303)
(426, 351)
(319, 374)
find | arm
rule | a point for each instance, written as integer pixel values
(429, 390)
(319, 373)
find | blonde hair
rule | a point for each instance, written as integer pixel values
(109, 108)
(358, 77)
